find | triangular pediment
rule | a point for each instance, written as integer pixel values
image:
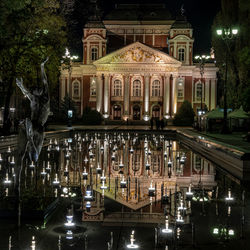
(137, 53)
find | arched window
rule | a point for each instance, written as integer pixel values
(117, 88)
(156, 88)
(198, 90)
(93, 87)
(137, 88)
(181, 54)
(180, 88)
(94, 54)
(76, 89)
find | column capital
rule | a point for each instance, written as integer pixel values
(174, 75)
(167, 74)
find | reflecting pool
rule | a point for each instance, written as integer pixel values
(120, 190)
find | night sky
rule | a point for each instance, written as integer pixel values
(200, 13)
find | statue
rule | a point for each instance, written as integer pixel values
(31, 130)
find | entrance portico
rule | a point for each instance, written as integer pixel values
(138, 77)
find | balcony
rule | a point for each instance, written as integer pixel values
(156, 98)
(117, 98)
(136, 98)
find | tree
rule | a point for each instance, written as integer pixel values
(30, 31)
(234, 13)
(185, 115)
(66, 104)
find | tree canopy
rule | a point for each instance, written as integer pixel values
(235, 14)
(30, 31)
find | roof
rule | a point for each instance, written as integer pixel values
(94, 24)
(214, 114)
(239, 114)
(181, 23)
(141, 12)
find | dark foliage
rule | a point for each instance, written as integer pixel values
(185, 115)
(91, 117)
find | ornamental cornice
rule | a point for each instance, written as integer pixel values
(141, 69)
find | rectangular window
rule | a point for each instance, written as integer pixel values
(92, 87)
(180, 90)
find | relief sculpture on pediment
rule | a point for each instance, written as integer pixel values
(137, 55)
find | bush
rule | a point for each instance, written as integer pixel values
(185, 115)
(91, 117)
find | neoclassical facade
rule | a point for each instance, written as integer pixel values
(138, 69)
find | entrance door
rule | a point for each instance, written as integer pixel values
(117, 112)
(136, 112)
(156, 112)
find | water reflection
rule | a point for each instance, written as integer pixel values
(154, 178)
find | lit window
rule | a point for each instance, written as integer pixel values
(94, 54)
(117, 88)
(93, 88)
(156, 88)
(137, 88)
(198, 90)
(181, 54)
(180, 89)
(76, 89)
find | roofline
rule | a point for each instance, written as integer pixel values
(129, 45)
(153, 22)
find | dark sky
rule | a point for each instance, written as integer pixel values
(200, 13)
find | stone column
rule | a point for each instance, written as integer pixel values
(206, 92)
(100, 49)
(87, 56)
(166, 96)
(99, 93)
(126, 97)
(174, 95)
(213, 93)
(187, 54)
(146, 97)
(106, 96)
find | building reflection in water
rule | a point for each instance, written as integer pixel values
(149, 174)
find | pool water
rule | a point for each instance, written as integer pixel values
(120, 190)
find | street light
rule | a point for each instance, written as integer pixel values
(68, 65)
(226, 34)
(201, 59)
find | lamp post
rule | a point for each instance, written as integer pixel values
(201, 59)
(68, 59)
(226, 34)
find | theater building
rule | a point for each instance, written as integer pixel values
(138, 64)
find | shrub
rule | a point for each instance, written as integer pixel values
(91, 117)
(185, 115)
